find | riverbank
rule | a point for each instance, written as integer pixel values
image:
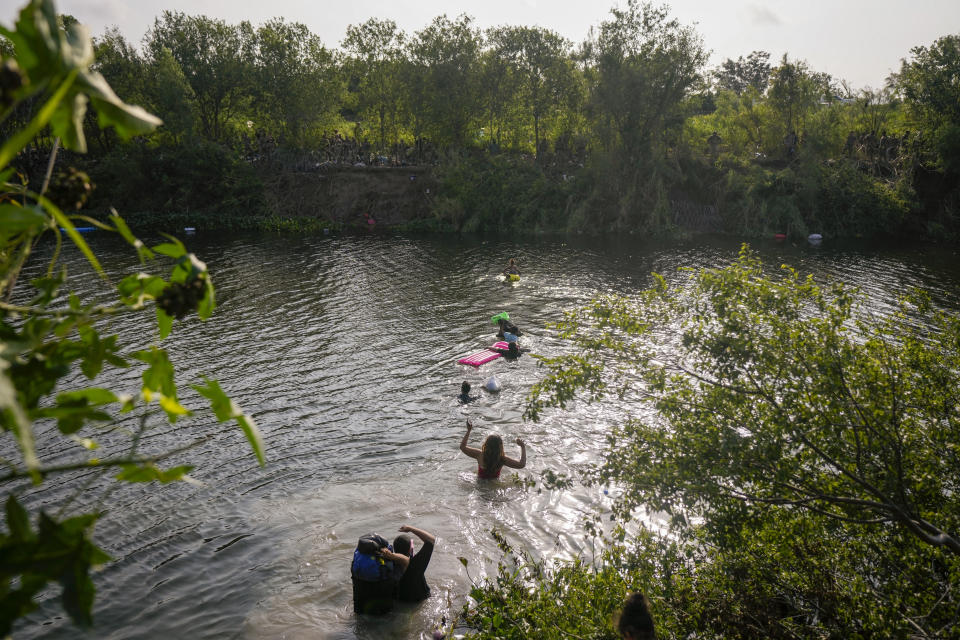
(209, 188)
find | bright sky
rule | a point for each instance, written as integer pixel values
(860, 41)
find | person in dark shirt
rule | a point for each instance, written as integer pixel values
(504, 326)
(512, 352)
(635, 622)
(412, 585)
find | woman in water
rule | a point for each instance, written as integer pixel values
(491, 459)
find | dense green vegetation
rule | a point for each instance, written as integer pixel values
(626, 131)
(55, 334)
(801, 453)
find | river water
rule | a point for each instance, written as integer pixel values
(344, 350)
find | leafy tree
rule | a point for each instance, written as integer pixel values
(121, 66)
(874, 109)
(643, 66)
(497, 93)
(54, 334)
(539, 60)
(930, 82)
(930, 86)
(170, 93)
(740, 74)
(444, 67)
(794, 91)
(376, 57)
(216, 59)
(298, 86)
(775, 409)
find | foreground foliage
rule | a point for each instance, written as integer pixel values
(802, 451)
(53, 338)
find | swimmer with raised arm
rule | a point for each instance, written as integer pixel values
(491, 459)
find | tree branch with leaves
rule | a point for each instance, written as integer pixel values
(48, 333)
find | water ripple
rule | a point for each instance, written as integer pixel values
(344, 350)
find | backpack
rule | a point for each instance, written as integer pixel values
(373, 577)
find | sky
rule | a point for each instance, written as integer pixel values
(860, 41)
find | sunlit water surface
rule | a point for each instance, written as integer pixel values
(344, 350)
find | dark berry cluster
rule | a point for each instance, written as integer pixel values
(180, 298)
(70, 189)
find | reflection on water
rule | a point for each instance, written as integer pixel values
(344, 349)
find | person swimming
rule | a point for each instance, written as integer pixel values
(512, 352)
(504, 326)
(491, 459)
(465, 396)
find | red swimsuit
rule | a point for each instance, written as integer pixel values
(486, 475)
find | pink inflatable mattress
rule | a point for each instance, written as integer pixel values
(483, 357)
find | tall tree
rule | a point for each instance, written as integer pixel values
(375, 50)
(795, 90)
(930, 86)
(740, 74)
(540, 61)
(445, 58)
(216, 60)
(497, 92)
(930, 82)
(298, 84)
(643, 65)
(170, 95)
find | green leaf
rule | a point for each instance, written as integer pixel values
(96, 351)
(67, 122)
(158, 376)
(172, 407)
(143, 253)
(149, 472)
(93, 396)
(67, 546)
(173, 249)
(127, 120)
(71, 419)
(47, 288)
(225, 409)
(13, 417)
(78, 240)
(22, 138)
(16, 219)
(164, 323)
(137, 288)
(18, 522)
(208, 303)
